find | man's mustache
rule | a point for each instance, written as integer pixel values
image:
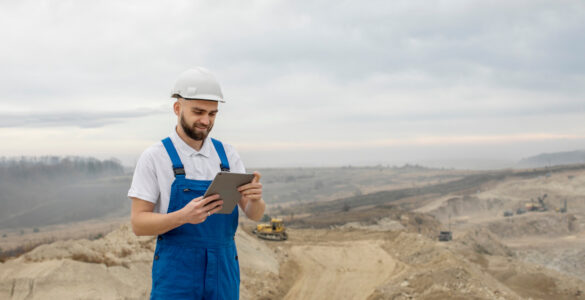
(201, 126)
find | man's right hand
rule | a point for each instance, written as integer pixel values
(198, 210)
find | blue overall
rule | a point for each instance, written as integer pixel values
(196, 261)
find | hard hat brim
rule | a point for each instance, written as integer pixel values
(221, 101)
(201, 97)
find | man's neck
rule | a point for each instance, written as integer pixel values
(191, 142)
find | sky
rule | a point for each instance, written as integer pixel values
(307, 83)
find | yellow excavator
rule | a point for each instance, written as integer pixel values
(274, 231)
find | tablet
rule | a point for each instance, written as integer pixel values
(226, 185)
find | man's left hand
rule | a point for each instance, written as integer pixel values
(252, 191)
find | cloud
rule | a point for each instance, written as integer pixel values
(299, 71)
(498, 42)
(417, 141)
(83, 119)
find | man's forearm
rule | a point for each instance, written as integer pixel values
(151, 223)
(255, 209)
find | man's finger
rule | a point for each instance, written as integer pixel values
(216, 209)
(257, 176)
(251, 192)
(213, 204)
(248, 186)
(206, 200)
(201, 198)
(210, 207)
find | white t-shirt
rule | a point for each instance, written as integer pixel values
(154, 175)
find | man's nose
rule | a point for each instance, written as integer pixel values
(204, 120)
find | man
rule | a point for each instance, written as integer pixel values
(195, 256)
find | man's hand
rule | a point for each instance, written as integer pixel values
(146, 222)
(251, 191)
(251, 201)
(200, 208)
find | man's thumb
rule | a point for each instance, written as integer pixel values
(257, 176)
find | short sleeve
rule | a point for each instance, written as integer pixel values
(144, 182)
(236, 164)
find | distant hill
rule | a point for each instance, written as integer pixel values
(552, 159)
(39, 191)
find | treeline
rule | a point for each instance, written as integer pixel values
(39, 191)
(50, 166)
(553, 159)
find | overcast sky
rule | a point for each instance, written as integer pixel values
(307, 83)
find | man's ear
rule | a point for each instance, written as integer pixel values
(177, 107)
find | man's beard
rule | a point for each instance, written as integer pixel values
(192, 132)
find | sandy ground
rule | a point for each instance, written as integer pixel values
(114, 267)
(12, 238)
(354, 268)
(494, 198)
(533, 256)
(337, 263)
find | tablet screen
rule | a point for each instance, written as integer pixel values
(226, 185)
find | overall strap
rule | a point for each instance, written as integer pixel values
(225, 165)
(178, 168)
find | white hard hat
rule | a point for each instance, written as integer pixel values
(197, 84)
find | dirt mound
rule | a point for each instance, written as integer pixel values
(533, 224)
(118, 248)
(326, 264)
(565, 254)
(558, 186)
(493, 198)
(371, 217)
(446, 271)
(467, 205)
(483, 241)
(259, 267)
(348, 270)
(568, 261)
(69, 279)
(533, 281)
(436, 272)
(383, 224)
(114, 267)
(395, 265)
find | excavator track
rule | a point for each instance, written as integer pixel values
(278, 236)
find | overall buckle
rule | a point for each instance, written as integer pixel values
(179, 171)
